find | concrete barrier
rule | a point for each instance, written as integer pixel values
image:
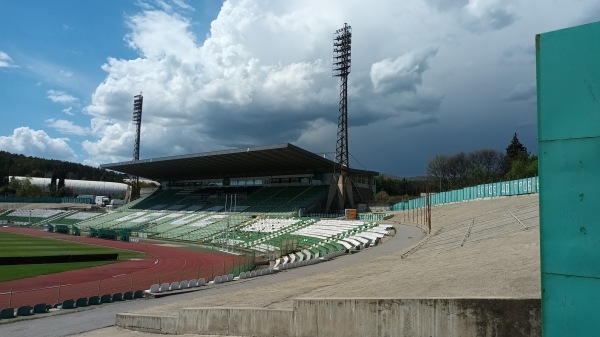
(148, 323)
(355, 317)
(235, 321)
(417, 317)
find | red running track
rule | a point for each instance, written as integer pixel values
(162, 264)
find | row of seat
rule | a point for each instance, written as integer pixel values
(166, 287)
(41, 308)
(295, 264)
(194, 283)
(269, 225)
(330, 247)
(255, 273)
(35, 213)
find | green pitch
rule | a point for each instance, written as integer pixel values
(23, 245)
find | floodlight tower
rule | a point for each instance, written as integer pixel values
(138, 101)
(340, 184)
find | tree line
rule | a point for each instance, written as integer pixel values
(456, 171)
(57, 170)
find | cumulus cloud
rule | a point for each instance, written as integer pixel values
(479, 15)
(116, 145)
(68, 111)
(404, 73)
(67, 127)
(483, 15)
(401, 98)
(37, 143)
(5, 60)
(262, 76)
(61, 97)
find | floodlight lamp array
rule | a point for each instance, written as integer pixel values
(138, 101)
(342, 42)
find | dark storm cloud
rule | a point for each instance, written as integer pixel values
(444, 5)
(521, 92)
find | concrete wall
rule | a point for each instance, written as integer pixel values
(356, 317)
(235, 322)
(148, 323)
(417, 317)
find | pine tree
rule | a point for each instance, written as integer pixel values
(516, 150)
(517, 161)
(60, 187)
(52, 186)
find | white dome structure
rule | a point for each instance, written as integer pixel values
(107, 188)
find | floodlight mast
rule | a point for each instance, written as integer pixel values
(342, 41)
(138, 101)
(341, 184)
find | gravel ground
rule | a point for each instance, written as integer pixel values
(505, 265)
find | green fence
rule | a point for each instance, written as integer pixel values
(491, 190)
(372, 216)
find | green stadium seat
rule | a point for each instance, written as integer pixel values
(41, 308)
(82, 302)
(7, 313)
(138, 294)
(128, 295)
(117, 297)
(106, 298)
(68, 304)
(25, 310)
(94, 300)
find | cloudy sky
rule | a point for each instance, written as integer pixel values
(428, 76)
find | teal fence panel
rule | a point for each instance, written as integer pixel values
(568, 101)
(371, 216)
(491, 190)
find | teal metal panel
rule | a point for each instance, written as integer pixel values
(566, 306)
(568, 84)
(570, 207)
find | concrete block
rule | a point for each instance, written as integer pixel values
(260, 322)
(148, 323)
(235, 321)
(210, 321)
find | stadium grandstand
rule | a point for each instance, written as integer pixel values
(244, 171)
(269, 200)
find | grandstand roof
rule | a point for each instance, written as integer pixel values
(272, 160)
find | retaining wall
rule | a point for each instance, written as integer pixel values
(355, 317)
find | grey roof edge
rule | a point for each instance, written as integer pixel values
(114, 166)
(200, 154)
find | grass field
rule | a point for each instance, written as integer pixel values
(23, 245)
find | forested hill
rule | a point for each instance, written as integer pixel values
(20, 165)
